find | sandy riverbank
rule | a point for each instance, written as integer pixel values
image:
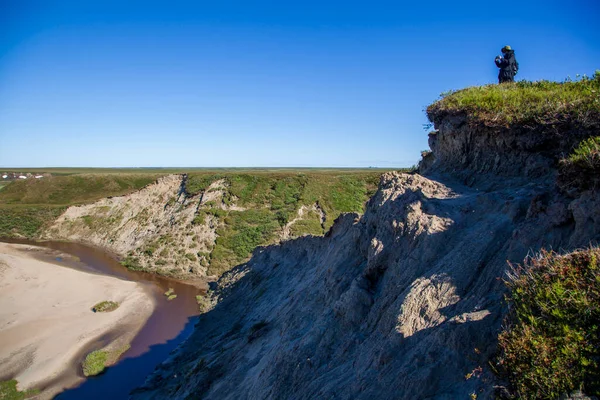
(46, 320)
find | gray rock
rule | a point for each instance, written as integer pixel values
(405, 302)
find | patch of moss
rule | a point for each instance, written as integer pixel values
(203, 302)
(95, 362)
(105, 306)
(191, 257)
(9, 391)
(306, 227)
(200, 218)
(132, 263)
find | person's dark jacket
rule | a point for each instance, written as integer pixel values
(508, 66)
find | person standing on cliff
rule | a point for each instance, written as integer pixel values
(508, 65)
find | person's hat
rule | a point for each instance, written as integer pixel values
(506, 48)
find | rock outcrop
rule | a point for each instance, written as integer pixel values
(404, 302)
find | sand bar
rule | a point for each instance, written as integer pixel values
(46, 318)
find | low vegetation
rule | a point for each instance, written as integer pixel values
(17, 221)
(283, 192)
(28, 205)
(268, 200)
(581, 169)
(105, 306)
(524, 102)
(204, 303)
(9, 391)
(307, 227)
(551, 345)
(97, 361)
(72, 189)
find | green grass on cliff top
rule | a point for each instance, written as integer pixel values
(524, 101)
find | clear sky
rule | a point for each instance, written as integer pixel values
(251, 83)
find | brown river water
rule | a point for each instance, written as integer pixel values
(170, 324)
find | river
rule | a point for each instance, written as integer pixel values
(171, 323)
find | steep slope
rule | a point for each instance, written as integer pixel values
(155, 224)
(203, 224)
(404, 302)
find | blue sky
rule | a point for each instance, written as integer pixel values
(243, 84)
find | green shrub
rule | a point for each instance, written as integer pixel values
(9, 391)
(216, 212)
(191, 257)
(150, 249)
(581, 170)
(98, 360)
(88, 220)
(95, 362)
(164, 252)
(26, 220)
(200, 218)
(105, 306)
(551, 344)
(203, 302)
(587, 153)
(132, 263)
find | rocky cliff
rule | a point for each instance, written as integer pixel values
(405, 302)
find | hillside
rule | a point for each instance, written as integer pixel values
(407, 301)
(186, 225)
(27, 206)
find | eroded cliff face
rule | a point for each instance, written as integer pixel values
(155, 225)
(163, 229)
(478, 152)
(404, 302)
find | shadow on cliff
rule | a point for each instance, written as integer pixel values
(319, 349)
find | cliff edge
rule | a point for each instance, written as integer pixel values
(406, 301)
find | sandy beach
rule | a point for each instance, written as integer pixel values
(46, 321)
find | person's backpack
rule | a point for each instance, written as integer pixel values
(515, 67)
